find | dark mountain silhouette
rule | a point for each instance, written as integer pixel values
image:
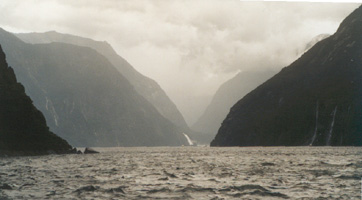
(23, 130)
(145, 86)
(225, 97)
(314, 101)
(84, 98)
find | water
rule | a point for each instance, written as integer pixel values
(187, 173)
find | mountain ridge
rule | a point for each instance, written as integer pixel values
(145, 86)
(23, 129)
(225, 97)
(84, 98)
(314, 101)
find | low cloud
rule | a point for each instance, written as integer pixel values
(188, 47)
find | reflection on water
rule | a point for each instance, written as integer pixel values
(187, 173)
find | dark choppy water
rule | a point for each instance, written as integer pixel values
(187, 173)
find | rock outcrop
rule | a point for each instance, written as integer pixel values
(90, 151)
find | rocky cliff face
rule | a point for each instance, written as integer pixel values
(314, 101)
(145, 86)
(84, 98)
(225, 97)
(23, 130)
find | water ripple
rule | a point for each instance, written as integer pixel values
(187, 173)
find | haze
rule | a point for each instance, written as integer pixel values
(188, 47)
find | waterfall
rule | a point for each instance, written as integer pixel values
(331, 129)
(49, 106)
(316, 124)
(188, 139)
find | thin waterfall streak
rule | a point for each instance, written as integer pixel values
(331, 129)
(188, 139)
(316, 124)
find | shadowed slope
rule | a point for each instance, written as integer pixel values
(145, 86)
(84, 98)
(225, 97)
(314, 101)
(23, 130)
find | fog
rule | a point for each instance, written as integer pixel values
(188, 47)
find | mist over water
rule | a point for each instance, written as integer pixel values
(187, 173)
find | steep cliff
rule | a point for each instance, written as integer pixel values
(84, 98)
(314, 101)
(23, 130)
(225, 97)
(145, 86)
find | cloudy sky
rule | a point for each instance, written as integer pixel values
(188, 47)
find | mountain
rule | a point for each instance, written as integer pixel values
(145, 86)
(314, 101)
(23, 130)
(84, 98)
(225, 97)
(230, 92)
